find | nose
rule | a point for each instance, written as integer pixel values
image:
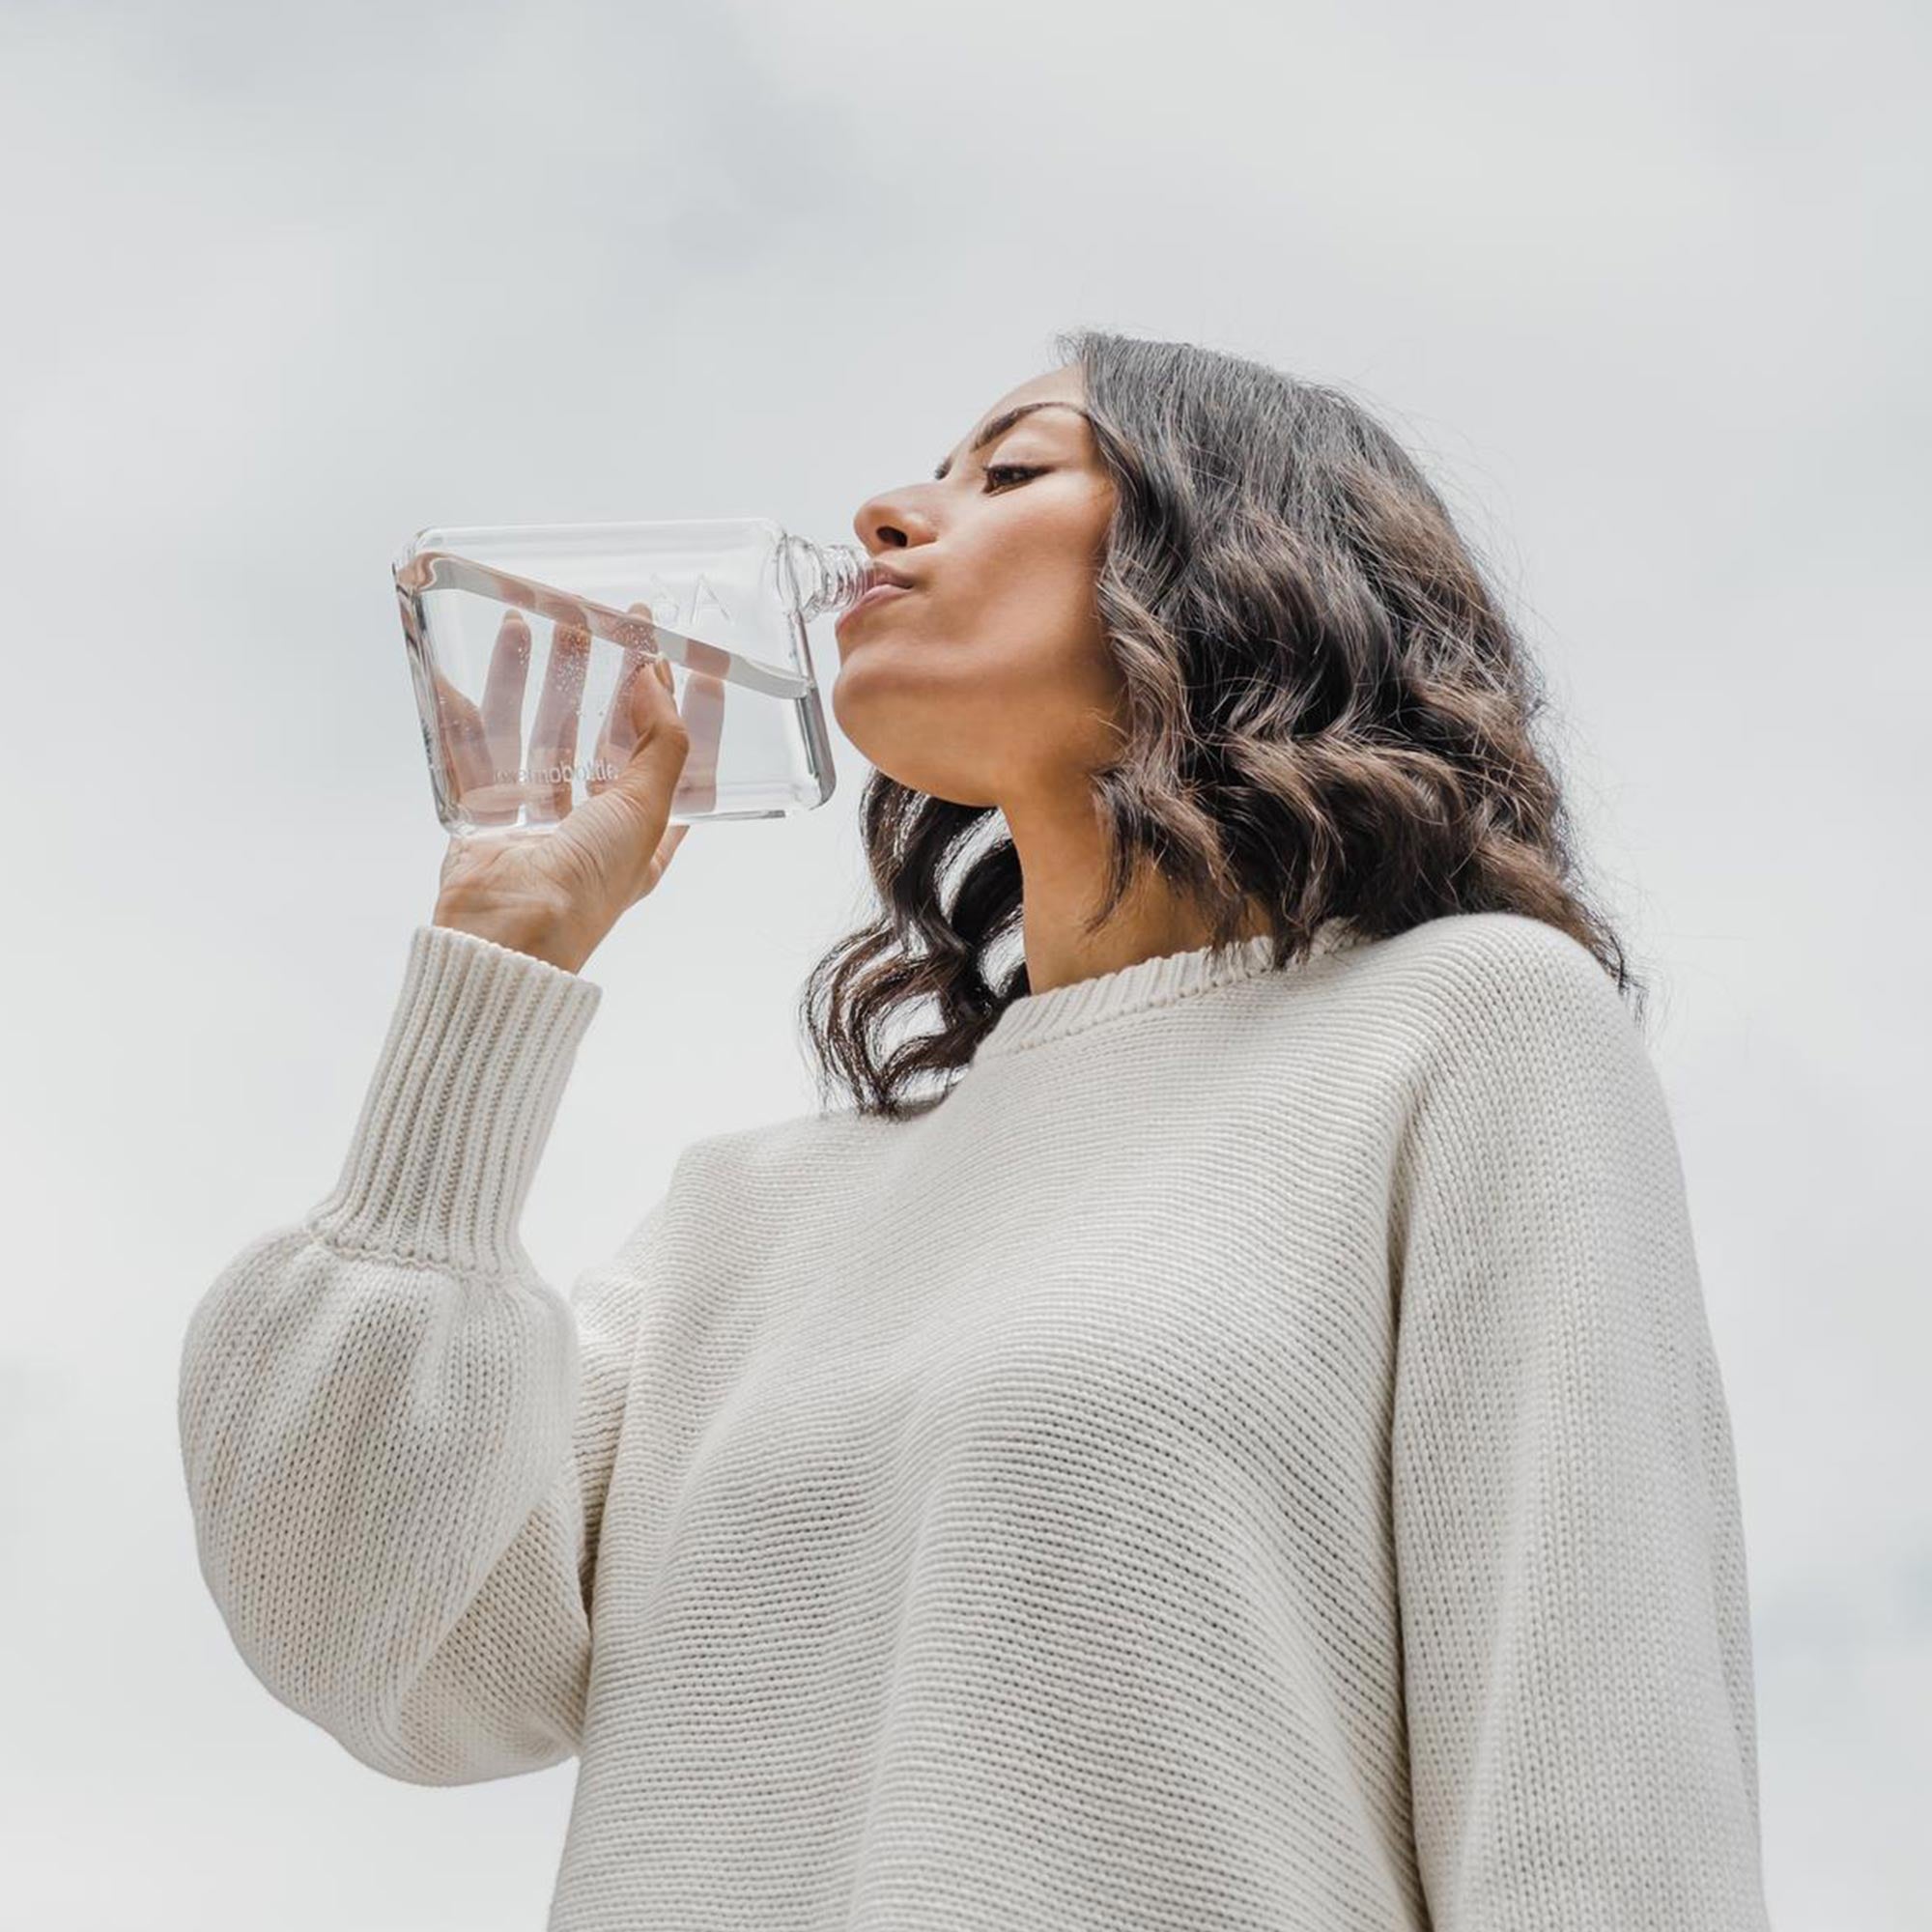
(892, 521)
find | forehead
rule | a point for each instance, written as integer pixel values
(1057, 386)
(1060, 385)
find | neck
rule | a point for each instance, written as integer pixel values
(1062, 857)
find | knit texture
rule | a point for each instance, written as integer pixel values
(1251, 1456)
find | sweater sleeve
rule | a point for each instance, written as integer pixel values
(396, 1437)
(1570, 1556)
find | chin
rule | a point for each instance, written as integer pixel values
(924, 775)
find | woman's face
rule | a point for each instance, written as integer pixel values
(988, 682)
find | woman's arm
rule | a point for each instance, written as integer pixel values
(396, 1437)
(1570, 1558)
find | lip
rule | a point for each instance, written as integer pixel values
(878, 594)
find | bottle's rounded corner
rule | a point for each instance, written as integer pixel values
(423, 541)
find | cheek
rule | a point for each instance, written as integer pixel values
(1053, 649)
(1039, 702)
(1027, 663)
(1036, 618)
(1002, 674)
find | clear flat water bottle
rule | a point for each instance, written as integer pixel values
(524, 640)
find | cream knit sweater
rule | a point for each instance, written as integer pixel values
(1251, 1456)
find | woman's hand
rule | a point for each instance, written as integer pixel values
(555, 894)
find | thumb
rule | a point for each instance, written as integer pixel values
(649, 775)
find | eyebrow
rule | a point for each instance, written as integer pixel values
(1002, 423)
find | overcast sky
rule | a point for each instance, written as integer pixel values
(1644, 287)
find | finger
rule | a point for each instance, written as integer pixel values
(704, 720)
(618, 735)
(648, 707)
(554, 735)
(503, 692)
(648, 780)
(615, 735)
(493, 793)
(466, 758)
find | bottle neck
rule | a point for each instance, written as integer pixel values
(826, 577)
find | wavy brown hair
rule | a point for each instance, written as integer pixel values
(1329, 713)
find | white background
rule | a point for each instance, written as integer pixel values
(1644, 287)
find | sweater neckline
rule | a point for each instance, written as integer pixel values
(1147, 984)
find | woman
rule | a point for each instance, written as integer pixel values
(1242, 1449)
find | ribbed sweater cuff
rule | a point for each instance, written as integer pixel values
(460, 1105)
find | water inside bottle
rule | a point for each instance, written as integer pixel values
(524, 689)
